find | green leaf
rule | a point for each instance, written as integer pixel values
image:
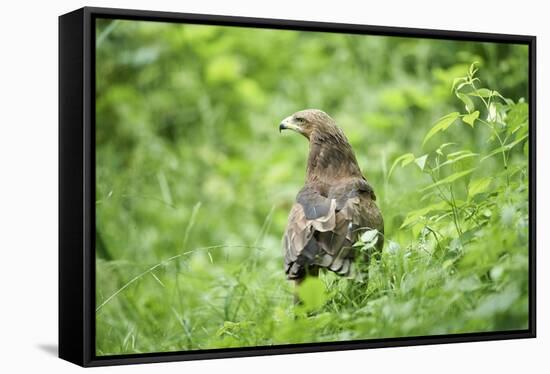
(487, 93)
(441, 125)
(233, 328)
(369, 239)
(369, 235)
(312, 293)
(459, 154)
(507, 101)
(448, 263)
(455, 157)
(414, 215)
(470, 118)
(492, 116)
(483, 92)
(405, 159)
(479, 186)
(518, 115)
(421, 161)
(468, 103)
(459, 87)
(456, 81)
(505, 147)
(473, 69)
(450, 179)
(439, 150)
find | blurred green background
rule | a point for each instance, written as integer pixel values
(194, 185)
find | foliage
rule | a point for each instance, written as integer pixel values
(194, 185)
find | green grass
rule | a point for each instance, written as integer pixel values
(412, 291)
(194, 185)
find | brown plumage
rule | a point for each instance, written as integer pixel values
(335, 206)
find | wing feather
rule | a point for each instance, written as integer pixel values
(322, 229)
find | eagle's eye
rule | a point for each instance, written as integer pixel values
(299, 120)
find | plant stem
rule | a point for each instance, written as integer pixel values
(502, 143)
(455, 213)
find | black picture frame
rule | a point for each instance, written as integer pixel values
(77, 184)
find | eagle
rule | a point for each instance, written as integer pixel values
(334, 207)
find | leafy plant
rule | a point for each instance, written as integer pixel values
(507, 122)
(475, 204)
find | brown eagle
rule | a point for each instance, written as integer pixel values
(335, 205)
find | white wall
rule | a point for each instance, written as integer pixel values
(28, 183)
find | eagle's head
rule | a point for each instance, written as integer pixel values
(308, 122)
(330, 154)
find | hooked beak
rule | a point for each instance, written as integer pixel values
(288, 124)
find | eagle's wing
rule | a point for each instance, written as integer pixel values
(321, 230)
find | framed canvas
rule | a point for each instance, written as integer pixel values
(234, 186)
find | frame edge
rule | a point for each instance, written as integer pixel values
(76, 224)
(71, 255)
